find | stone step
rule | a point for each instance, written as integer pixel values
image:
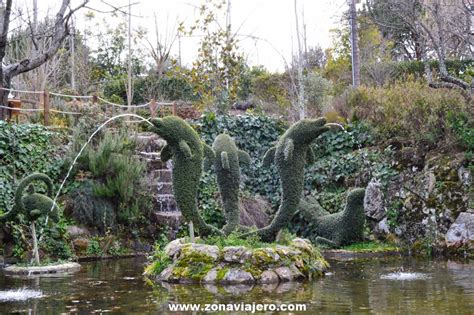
(150, 155)
(154, 165)
(164, 175)
(165, 202)
(173, 220)
(149, 142)
(163, 188)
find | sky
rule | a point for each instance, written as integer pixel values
(271, 21)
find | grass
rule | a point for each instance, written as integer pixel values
(371, 247)
(234, 240)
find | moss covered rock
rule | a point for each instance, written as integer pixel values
(238, 264)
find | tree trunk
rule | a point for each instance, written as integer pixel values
(5, 83)
(354, 45)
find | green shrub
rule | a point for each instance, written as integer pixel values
(85, 207)
(114, 191)
(93, 248)
(409, 110)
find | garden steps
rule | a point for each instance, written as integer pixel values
(159, 177)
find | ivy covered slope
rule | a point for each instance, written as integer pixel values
(187, 152)
(341, 228)
(254, 134)
(183, 262)
(25, 149)
(228, 159)
(290, 156)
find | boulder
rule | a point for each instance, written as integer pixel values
(211, 276)
(462, 230)
(236, 275)
(80, 244)
(174, 247)
(268, 276)
(233, 253)
(284, 273)
(374, 201)
(302, 244)
(77, 231)
(210, 251)
(165, 275)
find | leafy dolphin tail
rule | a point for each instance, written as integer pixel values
(166, 153)
(22, 186)
(244, 158)
(269, 156)
(225, 160)
(288, 149)
(310, 157)
(185, 149)
(208, 152)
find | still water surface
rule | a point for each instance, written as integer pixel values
(375, 286)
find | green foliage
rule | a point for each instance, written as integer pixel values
(227, 168)
(93, 248)
(236, 239)
(186, 150)
(317, 91)
(216, 72)
(253, 134)
(463, 69)
(55, 241)
(25, 149)
(371, 247)
(85, 207)
(115, 191)
(463, 127)
(209, 204)
(270, 92)
(409, 110)
(159, 261)
(290, 158)
(343, 157)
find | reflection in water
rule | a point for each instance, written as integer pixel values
(354, 286)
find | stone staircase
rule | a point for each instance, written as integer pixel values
(159, 179)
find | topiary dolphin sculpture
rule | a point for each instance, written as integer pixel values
(33, 204)
(341, 228)
(187, 152)
(226, 165)
(290, 155)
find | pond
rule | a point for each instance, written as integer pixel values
(395, 285)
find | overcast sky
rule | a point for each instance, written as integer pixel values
(273, 21)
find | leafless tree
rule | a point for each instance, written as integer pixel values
(441, 29)
(59, 32)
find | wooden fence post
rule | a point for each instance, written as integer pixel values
(153, 108)
(173, 109)
(46, 107)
